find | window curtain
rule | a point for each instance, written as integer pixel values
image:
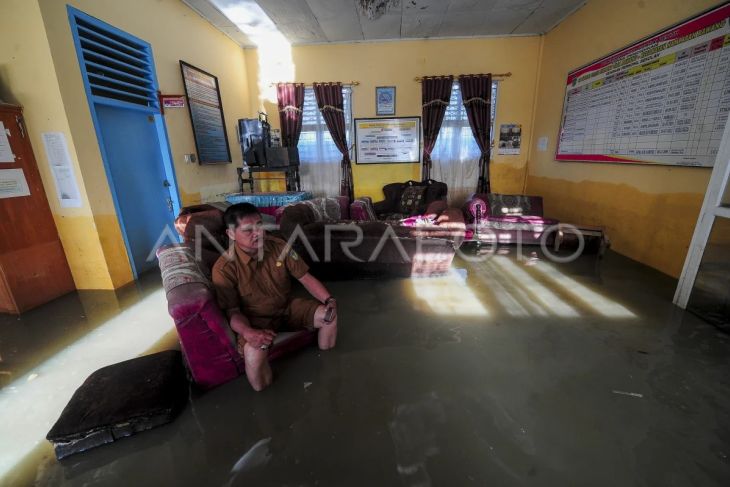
(290, 97)
(456, 154)
(320, 158)
(476, 91)
(331, 106)
(435, 95)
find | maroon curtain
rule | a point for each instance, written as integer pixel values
(291, 103)
(476, 92)
(331, 105)
(435, 95)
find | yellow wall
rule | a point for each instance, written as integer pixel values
(175, 32)
(649, 211)
(28, 78)
(396, 64)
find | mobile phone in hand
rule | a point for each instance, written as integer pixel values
(329, 315)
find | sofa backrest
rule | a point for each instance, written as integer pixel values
(495, 204)
(329, 208)
(435, 190)
(204, 222)
(311, 211)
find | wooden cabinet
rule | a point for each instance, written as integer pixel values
(33, 266)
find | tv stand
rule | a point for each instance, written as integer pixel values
(291, 176)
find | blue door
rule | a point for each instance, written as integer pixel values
(121, 87)
(140, 183)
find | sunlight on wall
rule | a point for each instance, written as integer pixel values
(275, 58)
(31, 404)
(547, 298)
(448, 295)
(600, 304)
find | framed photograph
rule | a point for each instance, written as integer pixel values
(388, 140)
(384, 100)
(206, 114)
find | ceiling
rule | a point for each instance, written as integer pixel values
(323, 21)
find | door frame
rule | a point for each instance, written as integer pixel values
(711, 210)
(159, 121)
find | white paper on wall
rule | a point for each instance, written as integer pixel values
(62, 169)
(6, 153)
(13, 183)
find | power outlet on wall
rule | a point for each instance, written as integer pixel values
(190, 158)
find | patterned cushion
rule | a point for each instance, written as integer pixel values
(325, 209)
(411, 200)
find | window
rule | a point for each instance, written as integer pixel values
(315, 140)
(320, 158)
(456, 154)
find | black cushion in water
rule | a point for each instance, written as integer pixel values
(120, 400)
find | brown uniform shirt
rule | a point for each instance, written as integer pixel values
(261, 288)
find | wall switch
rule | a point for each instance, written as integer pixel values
(542, 144)
(190, 158)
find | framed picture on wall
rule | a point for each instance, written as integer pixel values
(206, 115)
(384, 100)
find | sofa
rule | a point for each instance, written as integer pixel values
(507, 218)
(410, 198)
(422, 245)
(206, 340)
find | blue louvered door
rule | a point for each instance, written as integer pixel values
(119, 77)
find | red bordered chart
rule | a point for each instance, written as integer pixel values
(662, 100)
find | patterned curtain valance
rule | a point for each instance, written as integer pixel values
(290, 108)
(330, 107)
(476, 99)
(435, 102)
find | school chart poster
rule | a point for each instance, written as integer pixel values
(662, 100)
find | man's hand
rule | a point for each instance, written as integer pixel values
(258, 338)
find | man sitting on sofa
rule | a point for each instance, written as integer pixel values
(253, 285)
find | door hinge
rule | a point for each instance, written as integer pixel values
(169, 204)
(19, 120)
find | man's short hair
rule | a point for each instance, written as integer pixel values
(235, 213)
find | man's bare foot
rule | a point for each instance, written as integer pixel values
(327, 334)
(258, 370)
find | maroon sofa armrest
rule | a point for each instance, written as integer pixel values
(362, 210)
(383, 207)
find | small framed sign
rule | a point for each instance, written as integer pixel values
(173, 101)
(384, 100)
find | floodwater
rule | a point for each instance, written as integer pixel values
(505, 372)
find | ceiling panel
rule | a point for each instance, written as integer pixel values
(547, 15)
(295, 20)
(386, 27)
(338, 19)
(317, 21)
(208, 11)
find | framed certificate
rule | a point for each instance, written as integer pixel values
(388, 140)
(206, 114)
(384, 100)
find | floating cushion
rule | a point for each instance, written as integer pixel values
(121, 400)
